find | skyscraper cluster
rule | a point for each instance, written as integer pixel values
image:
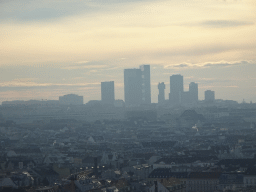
(177, 94)
(137, 89)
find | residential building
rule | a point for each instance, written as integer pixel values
(203, 181)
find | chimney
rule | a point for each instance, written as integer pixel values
(95, 168)
(156, 186)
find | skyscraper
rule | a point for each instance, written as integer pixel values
(176, 89)
(146, 86)
(161, 95)
(108, 92)
(193, 92)
(132, 87)
(209, 96)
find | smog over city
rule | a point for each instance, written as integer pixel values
(127, 95)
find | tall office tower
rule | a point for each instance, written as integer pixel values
(146, 86)
(176, 89)
(193, 92)
(161, 95)
(132, 87)
(209, 96)
(108, 92)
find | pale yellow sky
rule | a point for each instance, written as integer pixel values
(98, 40)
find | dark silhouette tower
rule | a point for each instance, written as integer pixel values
(132, 87)
(176, 89)
(108, 92)
(161, 95)
(193, 92)
(146, 85)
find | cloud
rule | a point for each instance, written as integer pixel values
(224, 23)
(94, 66)
(218, 86)
(27, 10)
(27, 83)
(81, 62)
(208, 64)
(213, 80)
(182, 65)
(86, 67)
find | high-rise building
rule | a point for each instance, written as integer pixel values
(209, 96)
(193, 92)
(161, 95)
(176, 89)
(108, 92)
(133, 87)
(146, 85)
(137, 86)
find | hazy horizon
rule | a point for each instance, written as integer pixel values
(53, 48)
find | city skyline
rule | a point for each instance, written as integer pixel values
(55, 48)
(183, 91)
(137, 91)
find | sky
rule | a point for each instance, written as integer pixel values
(49, 48)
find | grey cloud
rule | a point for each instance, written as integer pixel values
(27, 10)
(99, 65)
(41, 10)
(226, 64)
(213, 80)
(48, 87)
(181, 65)
(209, 64)
(224, 23)
(195, 51)
(89, 63)
(217, 65)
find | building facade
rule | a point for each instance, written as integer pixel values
(133, 87)
(209, 96)
(108, 92)
(161, 95)
(146, 85)
(176, 89)
(193, 92)
(137, 86)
